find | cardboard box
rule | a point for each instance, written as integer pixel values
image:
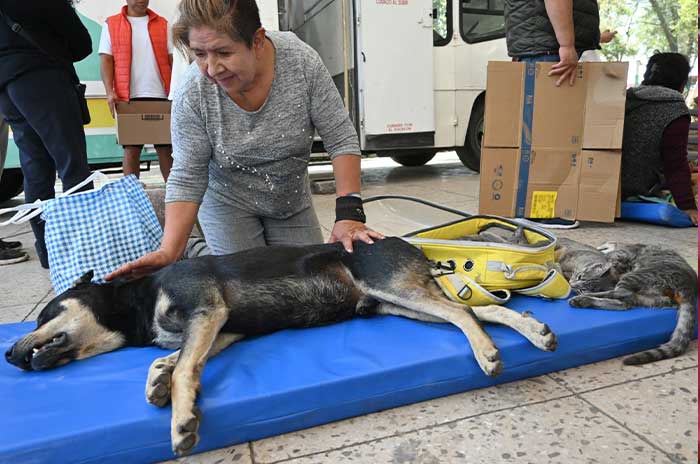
(589, 114)
(143, 122)
(551, 129)
(552, 188)
(599, 185)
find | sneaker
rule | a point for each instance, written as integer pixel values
(12, 256)
(9, 245)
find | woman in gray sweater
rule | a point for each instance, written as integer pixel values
(242, 127)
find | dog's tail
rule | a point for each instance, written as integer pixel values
(680, 339)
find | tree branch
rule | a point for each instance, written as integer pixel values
(672, 42)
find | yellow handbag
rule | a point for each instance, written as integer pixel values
(480, 272)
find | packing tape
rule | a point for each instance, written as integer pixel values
(526, 138)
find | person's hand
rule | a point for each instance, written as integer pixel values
(607, 36)
(566, 68)
(347, 231)
(693, 214)
(112, 102)
(147, 264)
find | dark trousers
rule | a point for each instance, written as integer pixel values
(42, 109)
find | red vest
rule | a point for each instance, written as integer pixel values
(120, 35)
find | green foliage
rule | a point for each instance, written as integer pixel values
(647, 25)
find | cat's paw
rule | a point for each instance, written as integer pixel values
(581, 301)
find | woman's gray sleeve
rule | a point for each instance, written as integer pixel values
(191, 153)
(329, 116)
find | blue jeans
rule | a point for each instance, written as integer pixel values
(550, 58)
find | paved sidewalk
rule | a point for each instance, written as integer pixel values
(599, 413)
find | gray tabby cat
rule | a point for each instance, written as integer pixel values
(627, 276)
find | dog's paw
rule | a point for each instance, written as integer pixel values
(581, 301)
(490, 362)
(184, 433)
(159, 382)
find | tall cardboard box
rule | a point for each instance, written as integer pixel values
(537, 137)
(143, 122)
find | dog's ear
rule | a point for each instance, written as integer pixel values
(85, 278)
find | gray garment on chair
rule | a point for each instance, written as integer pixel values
(257, 160)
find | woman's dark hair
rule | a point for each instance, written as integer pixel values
(239, 19)
(668, 70)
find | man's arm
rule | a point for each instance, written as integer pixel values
(107, 73)
(561, 15)
(66, 22)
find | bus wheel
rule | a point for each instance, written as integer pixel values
(470, 153)
(10, 184)
(412, 159)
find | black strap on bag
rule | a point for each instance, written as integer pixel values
(78, 86)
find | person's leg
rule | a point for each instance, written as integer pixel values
(228, 229)
(301, 229)
(4, 134)
(165, 159)
(43, 110)
(132, 160)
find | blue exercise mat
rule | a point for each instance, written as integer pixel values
(655, 213)
(95, 411)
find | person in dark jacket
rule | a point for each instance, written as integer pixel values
(38, 97)
(655, 138)
(552, 30)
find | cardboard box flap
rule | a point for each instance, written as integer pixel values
(504, 101)
(558, 111)
(599, 185)
(605, 105)
(498, 180)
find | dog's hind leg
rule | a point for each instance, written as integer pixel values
(161, 370)
(393, 310)
(201, 334)
(427, 298)
(538, 333)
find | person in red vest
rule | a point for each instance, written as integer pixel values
(136, 57)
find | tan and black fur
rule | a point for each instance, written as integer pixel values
(201, 306)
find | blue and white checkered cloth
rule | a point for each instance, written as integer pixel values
(98, 230)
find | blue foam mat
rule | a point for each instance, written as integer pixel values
(94, 410)
(655, 213)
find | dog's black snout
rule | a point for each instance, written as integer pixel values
(9, 353)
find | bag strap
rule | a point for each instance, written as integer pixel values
(29, 211)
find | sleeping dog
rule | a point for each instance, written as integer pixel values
(202, 305)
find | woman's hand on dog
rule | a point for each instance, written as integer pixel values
(347, 231)
(145, 265)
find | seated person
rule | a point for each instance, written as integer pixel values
(655, 140)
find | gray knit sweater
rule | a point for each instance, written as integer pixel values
(257, 160)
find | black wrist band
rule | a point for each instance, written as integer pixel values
(349, 209)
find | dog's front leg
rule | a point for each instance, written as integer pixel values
(161, 371)
(538, 333)
(201, 334)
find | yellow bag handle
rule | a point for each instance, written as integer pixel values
(554, 286)
(461, 289)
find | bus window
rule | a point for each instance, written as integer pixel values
(442, 22)
(482, 20)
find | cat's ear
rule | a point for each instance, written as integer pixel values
(598, 269)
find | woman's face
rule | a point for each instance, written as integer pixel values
(229, 63)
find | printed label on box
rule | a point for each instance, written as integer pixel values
(543, 204)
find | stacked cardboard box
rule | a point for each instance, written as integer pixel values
(552, 151)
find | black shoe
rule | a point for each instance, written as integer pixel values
(12, 256)
(9, 245)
